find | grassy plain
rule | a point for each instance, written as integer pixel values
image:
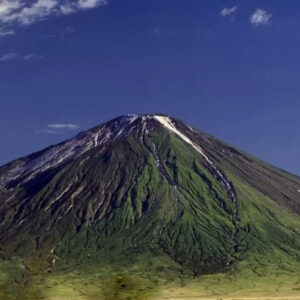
(162, 279)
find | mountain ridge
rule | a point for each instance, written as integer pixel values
(149, 184)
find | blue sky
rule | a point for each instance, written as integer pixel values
(230, 68)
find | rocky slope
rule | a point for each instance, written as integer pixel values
(149, 183)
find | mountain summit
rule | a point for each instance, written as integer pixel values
(149, 185)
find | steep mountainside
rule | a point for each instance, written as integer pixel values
(149, 184)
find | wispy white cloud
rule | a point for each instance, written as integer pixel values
(260, 17)
(33, 56)
(227, 11)
(7, 7)
(14, 56)
(57, 128)
(4, 32)
(27, 12)
(69, 126)
(9, 56)
(85, 4)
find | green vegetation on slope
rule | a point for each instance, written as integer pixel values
(142, 215)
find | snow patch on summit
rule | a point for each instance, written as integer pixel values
(132, 118)
(168, 123)
(165, 121)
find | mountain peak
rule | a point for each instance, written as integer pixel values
(53, 156)
(148, 130)
(149, 183)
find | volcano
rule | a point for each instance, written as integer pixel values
(146, 193)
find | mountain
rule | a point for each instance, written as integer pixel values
(146, 195)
